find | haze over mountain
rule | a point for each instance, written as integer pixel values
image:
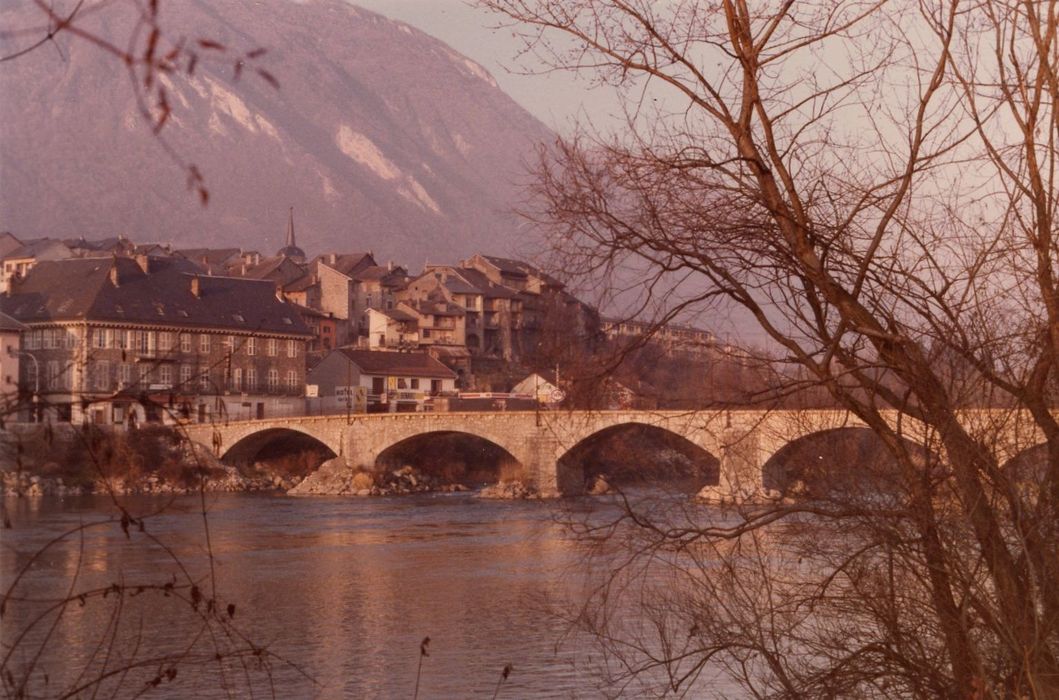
(380, 136)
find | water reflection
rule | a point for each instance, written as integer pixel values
(344, 588)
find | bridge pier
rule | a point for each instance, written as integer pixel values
(540, 460)
(742, 454)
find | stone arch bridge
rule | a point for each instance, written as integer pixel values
(742, 440)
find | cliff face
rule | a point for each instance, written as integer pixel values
(380, 136)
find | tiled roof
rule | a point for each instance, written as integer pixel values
(507, 265)
(210, 256)
(81, 289)
(346, 263)
(31, 249)
(395, 314)
(279, 269)
(9, 324)
(301, 284)
(408, 364)
(488, 289)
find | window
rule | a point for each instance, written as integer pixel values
(71, 339)
(204, 344)
(126, 373)
(185, 375)
(292, 348)
(165, 375)
(31, 375)
(237, 379)
(251, 379)
(292, 380)
(272, 349)
(251, 346)
(32, 340)
(53, 375)
(99, 335)
(204, 379)
(229, 343)
(102, 371)
(414, 382)
(185, 342)
(165, 341)
(143, 374)
(273, 380)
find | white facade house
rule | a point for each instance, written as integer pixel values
(354, 380)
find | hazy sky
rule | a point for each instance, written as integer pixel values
(556, 98)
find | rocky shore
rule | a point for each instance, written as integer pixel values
(336, 478)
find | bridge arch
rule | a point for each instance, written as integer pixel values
(632, 452)
(848, 461)
(275, 441)
(453, 456)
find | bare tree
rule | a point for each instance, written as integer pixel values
(875, 183)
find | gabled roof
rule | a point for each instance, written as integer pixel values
(8, 243)
(280, 269)
(82, 289)
(347, 263)
(9, 324)
(488, 288)
(100, 245)
(395, 314)
(211, 257)
(508, 266)
(408, 364)
(301, 284)
(513, 267)
(34, 248)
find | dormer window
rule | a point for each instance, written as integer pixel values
(239, 318)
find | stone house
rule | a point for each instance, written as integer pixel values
(123, 341)
(392, 328)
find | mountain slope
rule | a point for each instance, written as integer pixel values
(380, 136)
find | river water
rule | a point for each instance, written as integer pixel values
(343, 589)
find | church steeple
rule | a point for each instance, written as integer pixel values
(291, 250)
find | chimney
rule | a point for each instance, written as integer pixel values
(389, 265)
(196, 287)
(333, 257)
(115, 278)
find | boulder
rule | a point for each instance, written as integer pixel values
(600, 487)
(334, 477)
(509, 490)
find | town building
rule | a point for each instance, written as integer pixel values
(671, 337)
(124, 341)
(18, 262)
(10, 351)
(355, 380)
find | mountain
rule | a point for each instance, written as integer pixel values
(381, 137)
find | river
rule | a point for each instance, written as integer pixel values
(345, 589)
